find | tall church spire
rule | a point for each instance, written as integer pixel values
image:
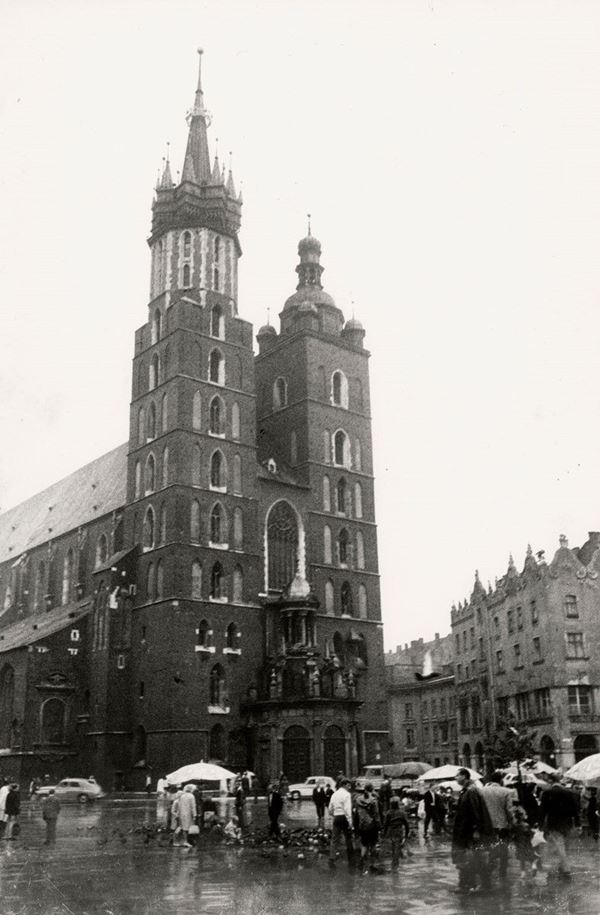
(196, 165)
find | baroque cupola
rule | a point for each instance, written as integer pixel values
(310, 307)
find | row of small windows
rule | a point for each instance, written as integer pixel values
(217, 527)
(158, 369)
(217, 416)
(344, 600)
(217, 583)
(515, 621)
(204, 636)
(346, 553)
(218, 476)
(186, 261)
(338, 391)
(152, 481)
(342, 497)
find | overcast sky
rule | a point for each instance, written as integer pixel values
(450, 156)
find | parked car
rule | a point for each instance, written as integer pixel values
(305, 789)
(73, 789)
(401, 775)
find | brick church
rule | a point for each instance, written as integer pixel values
(209, 589)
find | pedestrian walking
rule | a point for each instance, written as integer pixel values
(367, 824)
(186, 815)
(320, 800)
(50, 811)
(559, 813)
(522, 833)
(593, 813)
(396, 828)
(430, 811)
(340, 811)
(499, 802)
(240, 800)
(245, 780)
(148, 787)
(274, 808)
(472, 833)
(13, 809)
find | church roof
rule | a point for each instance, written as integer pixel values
(88, 493)
(40, 626)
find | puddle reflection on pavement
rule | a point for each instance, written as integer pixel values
(101, 865)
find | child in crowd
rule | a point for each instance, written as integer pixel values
(527, 856)
(397, 828)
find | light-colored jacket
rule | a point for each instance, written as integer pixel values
(341, 804)
(498, 801)
(3, 793)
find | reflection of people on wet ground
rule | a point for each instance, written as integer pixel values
(319, 797)
(232, 831)
(396, 828)
(340, 811)
(274, 808)
(367, 824)
(50, 811)
(240, 799)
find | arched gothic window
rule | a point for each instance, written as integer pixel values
(360, 550)
(154, 372)
(160, 579)
(346, 599)
(217, 471)
(329, 599)
(156, 322)
(238, 535)
(339, 389)
(362, 602)
(341, 492)
(186, 276)
(216, 581)
(197, 580)
(237, 473)
(149, 532)
(195, 522)
(150, 473)
(54, 713)
(68, 583)
(165, 467)
(235, 421)
(187, 245)
(282, 545)
(358, 506)
(326, 494)
(141, 427)
(238, 586)
(231, 636)
(151, 420)
(164, 413)
(216, 367)
(217, 524)
(217, 322)
(197, 412)
(343, 547)
(196, 465)
(138, 480)
(216, 416)
(279, 393)
(203, 634)
(101, 550)
(218, 687)
(327, 555)
(341, 449)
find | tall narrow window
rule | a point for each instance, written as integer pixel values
(149, 528)
(185, 276)
(358, 506)
(346, 599)
(67, 588)
(40, 586)
(196, 465)
(327, 555)
(343, 547)
(216, 367)
(196, 580)
(216, 414)
(101, 550)
(216, 263)
(341, 449)
(154, 372)
(217, 322)
(141, 427)
(217, 524)
(360, 550)
(235, 421)
(156, 326)
(339, 389)
(279, 393)
(150, 582)
(341, 496)
(216, 581)
(329, 602)
(326, 494)
(217, 471)
(197, 412)
(150, 473)
(165, 467)
(195, 522)
(138, 479)
(203, 634)
(357, 454)
(282, 545)
(231, 636)
(237, 529)
(163, 523)
(362, 602)
(326, 447)
(218, 687)
(160, 579)
(164, 413)
(151, 421)
(238, 587)
(237, 473)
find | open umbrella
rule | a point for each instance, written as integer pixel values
(586, 770)
(199, 772)
(442, 773)
(410, 769)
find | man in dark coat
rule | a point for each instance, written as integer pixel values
(12, 809)
(50, 811)
(559, 812)
(472, 834)
(274, 808)
(320, 800)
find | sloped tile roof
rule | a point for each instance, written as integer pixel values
(88, 493)
(42, 625)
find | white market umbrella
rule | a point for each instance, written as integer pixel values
(538, 767)
(586, 770)
(199, 772)
(445, 773)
